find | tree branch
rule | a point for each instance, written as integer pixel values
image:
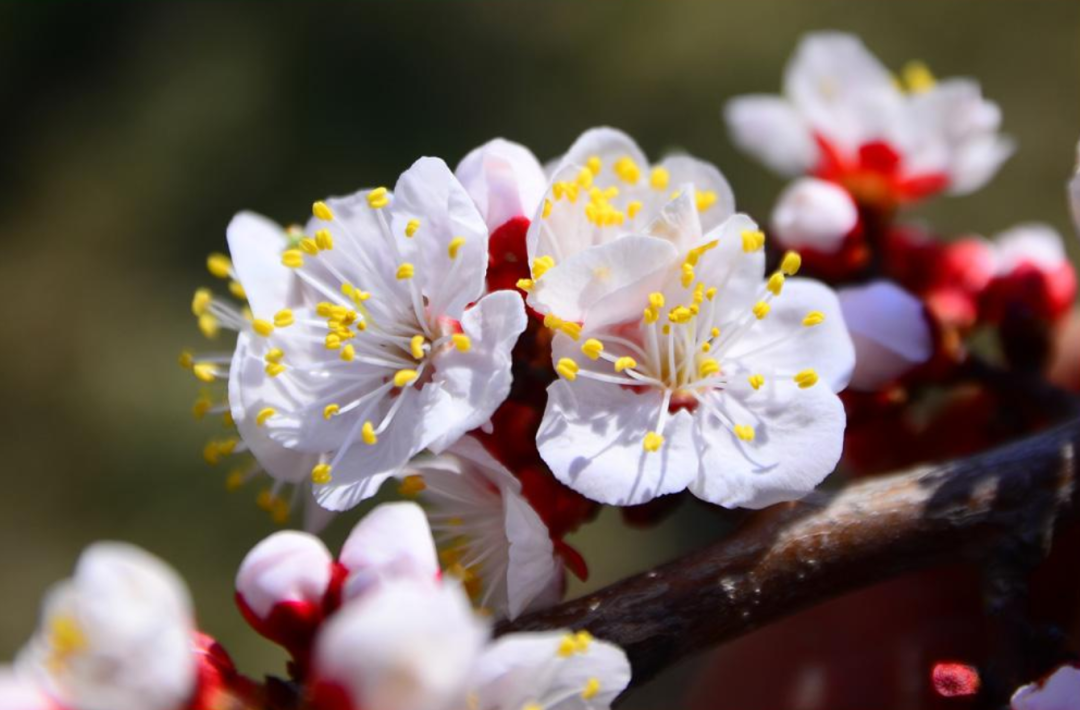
(1004, 502)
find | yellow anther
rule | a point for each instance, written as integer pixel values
(378, 198)
(541, 265)
(813, 318)
(525, 284)
(227, 420)
(584, 178)
(710, 293)
(592, 687)
(262, 327)
(658, 179)
(694, 254)
(706, 347)
(775, 283)
(674, 194)
(704, 199)
(806, 378)
(562, 189)
(186, 359)
(265, 499)
(264, 414)
(752, 240)
(567, 368)
(666, 330)
(309, 246)
(411, 228)
(687, 275)
(652, 442)
(367, 433)
(656, 300)
(761, 309)
(567, 646)
(461, 341)
(403, 378)
(274, 355)
(235, 480)
(324, 240)
(65, 638)
(593, 164)
(292, 258)
(708, 367)
(320, 474)
(582, 641)
(627, 170)
(592, 348)
(632, 208)
(280, 511)
(552, 321)
(208, 325)
(333, 341)
(917, 77)
(547, 209)
(756, 381)
(322, 211)
(200, 302)
(405, 271)
(274, 368)
(571, 329)
(714, 332)
(283, 318)
(455, 246)
(322, 309)
(237, 290)
(330, 410)
(202, 405)
(680, 314)
(416, 346)
(219, 265)
(651, 315)
(744, 432)
(412, 485)
(204, 371)
(625, 363)
(348, 353)
(791, 263)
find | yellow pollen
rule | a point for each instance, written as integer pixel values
(455, 246)
(219, 265)
(791, 263)
(592, 687)
(541, 265)
(525, 284)
(585, 178)
(274, 355)
(235, 480)
(274, 368)
(651, 315)
(403, 378)
(412, 485)
(680, 314)
(710, 293)
(666, 329)
(706, 347)
(709, 366)
(571, 329)
(562, 189)
(632, 208)
(806, 378)
(237, 290)
(66, 638)
(186, 359)
(775, 283)
(265, 500)
(262, 327)
(264, 414)
(625, 363)
(204, 371)
(704, 199)
(202, 405)
(308, 246)
(687, 275)
(405, 271)
(744, 432)
(378, 198)
(567, 646)
(547, 209)
(695, 253)
(348, 353)
(411, 227)
(658, 179)
(567, 368)
(367, 433)
(656, 300)
(322, 211)
(461, 341)
(416, 347)
(320, 474)
(200, 302)
(756, 381)
(761, 309)
(593, 164)
(330, 410)
(283, 318)
(627, 170)
(552, 321)
(813, 318)
(208, 325)
(917, 77)
(592, 348)
(292, 258)
(322, 309)
(333, 341)
(582, 639)
(324, 240)
(752, 240)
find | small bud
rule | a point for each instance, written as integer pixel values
(814, 214)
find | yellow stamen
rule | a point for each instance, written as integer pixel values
(403, 378)
(592, 348)
(567, 368)
(237, 290)
(632, 208)
(547, 209)
(200, 302)
(367, 433)
(262, 327)
(585, 178)
(813, 318)
(541, 265)
(412, 485)
(917, 77)
(708, 366)
(627, 170)
(309, 246)
(274, 355)
(411, 227)
(219, 265)
(322, 211)
(186, 359)
(209, 326)
(687, 275)
(378, 198)
(264, 414)
(235, 480)
(658, 179)
(274, 368)
(567, 646)
(283, 318)
(582, 639)
(593, 164)
(625, 363)
(791, 263)
(416, 347)
(320, 474)
(330, 410)
(592, 687)
(704, 199)
(806, 378)
(744, 432)
(348, 353)
(405, 271)
(205, 371)
(461, 341)
(752, 240)
(652, 442)
(680, 314)
(761, 309)
(324, 240)
(455, 246)
(756, 381)
(571, 329)
(292, 258)
(656, 300)
(695, 253)
(525, 284)
(775, 283)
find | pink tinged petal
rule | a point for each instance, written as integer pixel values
(255, 245)
(21, 693)
(288, 566)
(771, 130)
(814, 214)
(890, 330)
(504, 180)
(592, 438)
(392, 542)
(1059, 692)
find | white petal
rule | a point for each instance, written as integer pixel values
(19, 693)
(519, 669)
(889, 329)
(255, 245)
(591, 437)
(288, 566)
(504, 179)
(392, 542)
(798, 438)
(534, 575)
(1059, 692)
(607, 144)
(770, 129)
(814, 214)
(1034, 243)
(705, 178)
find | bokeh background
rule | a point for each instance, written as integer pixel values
(130, 134)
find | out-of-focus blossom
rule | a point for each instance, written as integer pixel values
(17, 692)
(491, 537)
(682, 367)
(814, 214)
(402, 354)
(116, 636)
(1034, 277)
(1061, 691)
(392, 542)
(844, 117)
(890, 331)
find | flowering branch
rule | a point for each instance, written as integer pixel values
(1001, 504)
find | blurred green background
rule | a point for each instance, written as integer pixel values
(130, 134)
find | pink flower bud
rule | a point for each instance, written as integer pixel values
(814, 214)
(504, 179)
(392, 542)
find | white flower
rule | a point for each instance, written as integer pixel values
(116, 636)
(392, 542)
(727, 385)
(410, 646)
(19, 693)
(491, 538)
(814, 214)
(844, 116)
(289, 570)
(402, 353)
(1060, 691)
(504, 179)
(889, 329)
(605, 188)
